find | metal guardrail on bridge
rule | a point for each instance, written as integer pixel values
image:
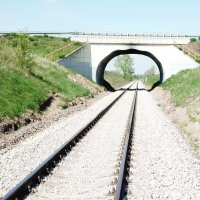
(129, 34)
(114, 34)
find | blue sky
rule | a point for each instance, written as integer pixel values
(181, 16)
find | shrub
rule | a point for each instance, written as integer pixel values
(192, 40)
(14, 43)
(24, 59)
(199, 37)
(61, 56)
(31, 39)
(197, 60)
(35, 44)
(66, 39)
(45, 36)
(11, 35)
(77, 43)
(180, 49)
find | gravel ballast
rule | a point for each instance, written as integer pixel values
(89, 169)
(23, 158)
(164, 166)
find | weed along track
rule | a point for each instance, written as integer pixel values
(88, 166)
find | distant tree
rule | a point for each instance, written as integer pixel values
(151, 71)
(124, 65)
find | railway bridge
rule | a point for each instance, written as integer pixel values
(91, 59)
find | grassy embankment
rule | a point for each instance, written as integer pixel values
(23, 89)
(115, 79)
(151, 79)
(40, 45)
(194, 45)
(184, 88)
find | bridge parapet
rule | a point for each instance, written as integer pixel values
(130, 41)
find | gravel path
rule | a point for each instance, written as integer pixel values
(88, 170)
(18, 162)
(163, 165)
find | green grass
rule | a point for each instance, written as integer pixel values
(184, 86)
(192, 119)
(194, 144)
(21, 90)
(43, 45)
(114, 78)
(151, 79)
(175, 121)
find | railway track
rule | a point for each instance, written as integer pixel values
(94, 164)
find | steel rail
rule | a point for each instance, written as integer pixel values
(120, 189)
(35, 177)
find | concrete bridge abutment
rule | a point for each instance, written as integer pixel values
(91, 59)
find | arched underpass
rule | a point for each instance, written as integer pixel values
(102, 65)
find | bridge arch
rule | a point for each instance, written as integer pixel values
(103, 63)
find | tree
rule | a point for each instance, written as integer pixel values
(151, 71)
(124, 65)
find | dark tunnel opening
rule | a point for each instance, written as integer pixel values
(102, 65)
